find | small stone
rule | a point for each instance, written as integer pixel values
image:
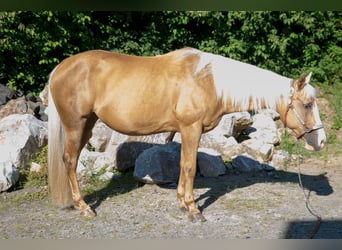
(35, 167)
(107, 176)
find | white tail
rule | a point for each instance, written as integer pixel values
(58, 179)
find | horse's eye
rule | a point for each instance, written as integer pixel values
(307, 105)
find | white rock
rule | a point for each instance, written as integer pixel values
(35, 167)
(264, 129)
(270, 112)
(230, 125)
(107, 176)
(9, 175)
(86, 161)
(21, 135)
(101, 135)
(104, 160)
(232, 149)
(260, 150)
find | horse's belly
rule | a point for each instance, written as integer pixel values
(138, 121)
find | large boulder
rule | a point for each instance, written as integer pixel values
(20, 137)
(210, 163)
(246, 163)
(160, 164)
(9, 175)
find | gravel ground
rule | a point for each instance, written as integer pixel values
(263, 205)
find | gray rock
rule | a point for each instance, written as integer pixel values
(9, 175)
(158, 164)
(127, 153)
(210, 163)
(6, 94)
(20, 137)
(246, 163)
(42, 114)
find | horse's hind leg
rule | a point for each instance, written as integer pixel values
(76, 136)
(170, 137)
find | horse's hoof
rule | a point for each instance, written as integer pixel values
(88, 213)
(183, 209)
(197, 217)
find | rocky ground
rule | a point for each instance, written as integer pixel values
(261, 205)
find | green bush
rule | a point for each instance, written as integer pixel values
(33, 43)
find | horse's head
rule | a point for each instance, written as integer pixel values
(302, 114)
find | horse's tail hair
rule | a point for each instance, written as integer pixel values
(59, 186)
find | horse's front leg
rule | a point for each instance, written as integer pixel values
(190, 140)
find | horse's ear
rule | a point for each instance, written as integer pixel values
(302, 81)
(308, 77)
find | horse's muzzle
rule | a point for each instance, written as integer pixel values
(315, 139)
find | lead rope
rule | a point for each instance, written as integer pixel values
(306, 197)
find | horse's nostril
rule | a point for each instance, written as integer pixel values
(322, 144)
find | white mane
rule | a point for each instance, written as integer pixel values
(240, 81)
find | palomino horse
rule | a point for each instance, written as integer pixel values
(186, 91)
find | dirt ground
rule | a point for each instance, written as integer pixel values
(262, 205)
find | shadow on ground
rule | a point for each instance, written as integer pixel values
(217, 186)
(328, 229)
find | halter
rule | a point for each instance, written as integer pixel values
(306, 128)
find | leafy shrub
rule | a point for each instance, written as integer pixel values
(33, 43)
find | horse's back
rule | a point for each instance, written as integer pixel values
(132, 94)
